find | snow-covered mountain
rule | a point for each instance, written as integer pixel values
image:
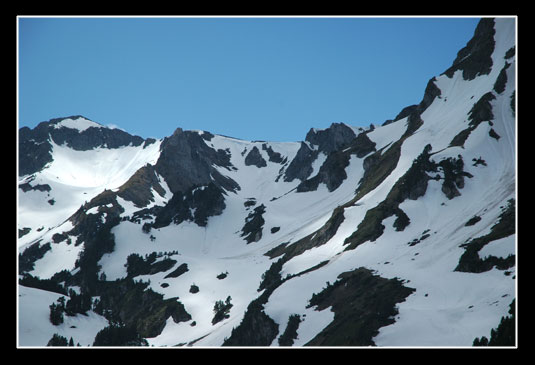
(396, 235)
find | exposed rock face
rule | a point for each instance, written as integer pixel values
(453, 176)
(273, 156)
(35, 146)
(186, 161)
(34, 149)
(332, 171)
(475, 58)
(393, 189)
(327, 141)
(332, 138)
(301, 166)
(362, 303)
(39, 187)
(138, 189)
(431, 92)
(255, 329)
(93, 137)
(254, 158)
(252, 230)
(195, 205)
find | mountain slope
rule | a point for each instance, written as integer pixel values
(399, 235)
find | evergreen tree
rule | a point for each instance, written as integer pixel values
(504, 334)
(56, 311)
(221, 310)
(57, 340)
(78, 303)
(119, 335)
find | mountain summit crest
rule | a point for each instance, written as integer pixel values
(402, 234)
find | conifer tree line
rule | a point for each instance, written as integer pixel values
(504, 334)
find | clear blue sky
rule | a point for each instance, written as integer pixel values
(251, 78)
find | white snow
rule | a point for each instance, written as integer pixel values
(447, 308)
(81, 124)
(35, 329)
(502, 248)
(75, 177)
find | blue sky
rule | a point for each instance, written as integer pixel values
(259, 78)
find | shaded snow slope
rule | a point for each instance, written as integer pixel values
(445, 179)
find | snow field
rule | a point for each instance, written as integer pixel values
(448, 308)
(35, 329)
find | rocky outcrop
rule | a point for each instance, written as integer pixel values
(197, 205)
(454, 174)
(93, 137)
(362, 303)
(470, 261)
(35, 147)
(273, 156)
(139, 307)
(475, 58)
(338, 143)
(331, 139)
(138, 189)
(186, 161)
(254, 158)
(254, 224)
(301, 166)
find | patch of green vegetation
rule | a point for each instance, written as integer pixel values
(31, 254)
(137, 265)
(254, 223)
(460, 138)
(513, 102)
(454, 175)
(493, 134)
(57, 340)
(290, 333)
(134, 305)
(256, 327)
(412, 185)
(24, 231)
(501, 80)
(221, 310)
(181, 269)
(470, 260)
(272, 278)
(479, 161)
(504, 334)
(138, 189)
(314, 239)
(362, 303)
(377, 167)
(480, 112)
(473, 220)
(119, 335)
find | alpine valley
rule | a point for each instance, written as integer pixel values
(402, 234)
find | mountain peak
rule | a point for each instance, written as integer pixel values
(332, 138)
(77, 122)
(399, 235)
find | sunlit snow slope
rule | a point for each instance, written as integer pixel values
(416, 213)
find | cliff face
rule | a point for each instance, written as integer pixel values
(399, 235)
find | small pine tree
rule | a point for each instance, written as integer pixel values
(56, 313)
(57, 340)
(221, 310)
